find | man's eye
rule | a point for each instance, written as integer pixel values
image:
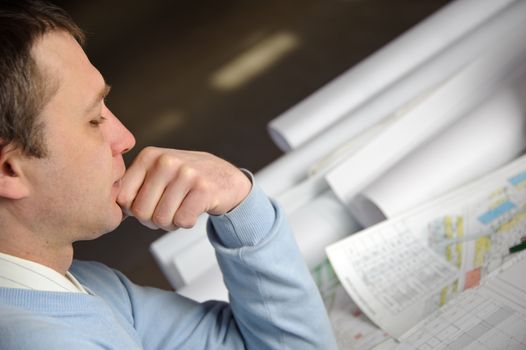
(97, 122)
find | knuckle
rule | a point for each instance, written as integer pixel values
(124, 200)
(184, 220)
(146, 154)
(150, 149)
(187, 173)
(203, 154)
(166, 162)
(161, 220)
(201, 186)
(140, 213)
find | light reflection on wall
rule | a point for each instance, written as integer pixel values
(254, 61)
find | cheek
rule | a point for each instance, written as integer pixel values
(85, 157)
(90, 172)
(98, 168)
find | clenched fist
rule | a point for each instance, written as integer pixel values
(167, 188)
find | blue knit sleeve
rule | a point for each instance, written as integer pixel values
(274, 303)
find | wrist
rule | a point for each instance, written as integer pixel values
(245, 187)
(249, 222)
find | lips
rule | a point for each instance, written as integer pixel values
(118, 180)
(116, 188)
(115, 191)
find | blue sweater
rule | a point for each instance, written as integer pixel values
(273, 302)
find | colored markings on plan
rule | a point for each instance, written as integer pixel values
(519, 179)
(496, 212)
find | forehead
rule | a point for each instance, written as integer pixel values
(60, 58)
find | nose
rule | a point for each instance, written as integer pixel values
(120, 138)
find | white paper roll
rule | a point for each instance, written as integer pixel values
(488, 138)
(208, 286)
(338, 98)
(320, 223)
(451, 101)
(176, 251)
(292, 167)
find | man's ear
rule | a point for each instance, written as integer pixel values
(12, 184)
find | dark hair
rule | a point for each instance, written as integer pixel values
(24, 89)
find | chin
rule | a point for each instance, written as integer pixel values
(111, 223)
(116, 219)
(106, 223)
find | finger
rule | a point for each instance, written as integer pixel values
(149, 224)
(149, 195)
(193, 205)
(170, 202)
(135, 174)
(130, 185)
(127, 213)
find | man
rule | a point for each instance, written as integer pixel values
(62, 179)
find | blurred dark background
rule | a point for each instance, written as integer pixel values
(167, 62)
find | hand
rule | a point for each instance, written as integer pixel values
(166, 188)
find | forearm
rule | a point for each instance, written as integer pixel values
(274, 302)
(273, 298)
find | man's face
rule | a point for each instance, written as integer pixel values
(74, 187)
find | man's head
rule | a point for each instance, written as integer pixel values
(61, 154)
(24, 88)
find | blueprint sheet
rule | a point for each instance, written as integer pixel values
(492, 316)
(404, 269)
(352, 328)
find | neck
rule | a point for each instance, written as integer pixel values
(56, 258)
(24, 234)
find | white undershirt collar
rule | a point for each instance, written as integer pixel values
(25, 274)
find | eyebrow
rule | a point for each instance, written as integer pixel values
(100, 96)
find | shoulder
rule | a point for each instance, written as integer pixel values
(21, 329)
(105, 282)
(15, 321)
(95, 275)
